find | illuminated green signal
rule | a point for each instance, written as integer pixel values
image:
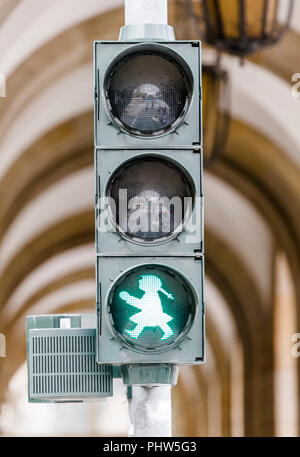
(151, 314)
(151, 306)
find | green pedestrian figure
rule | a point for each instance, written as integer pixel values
(152, 313)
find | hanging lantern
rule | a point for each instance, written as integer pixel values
(241, 27)
(216, 117)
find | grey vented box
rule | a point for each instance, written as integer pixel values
(61, 359)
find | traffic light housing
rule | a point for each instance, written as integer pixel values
(149, 202)
(120, 71)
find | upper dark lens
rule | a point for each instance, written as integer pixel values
(148, 93)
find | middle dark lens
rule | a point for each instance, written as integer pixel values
(151, 198)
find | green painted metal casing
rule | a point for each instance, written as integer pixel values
(108, 134)
(183, 243)
(62, 363)
(111, 349)
(116, 254)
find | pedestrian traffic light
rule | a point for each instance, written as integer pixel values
(149, 202)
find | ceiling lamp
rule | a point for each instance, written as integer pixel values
(241, 27)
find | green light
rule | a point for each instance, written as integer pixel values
(151, 314)
(151, 307)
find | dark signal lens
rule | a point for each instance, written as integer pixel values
(148, 93)
(152, 198)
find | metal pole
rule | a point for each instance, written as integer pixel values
(146, 20)
(150, 411)
(149, 406)
(146, 12)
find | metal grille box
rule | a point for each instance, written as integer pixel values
(62, 361)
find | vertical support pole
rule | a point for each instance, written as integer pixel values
(150, 411)
(146, 19)
(146, 12)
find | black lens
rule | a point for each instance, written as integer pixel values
(151, 198)
(148, 93)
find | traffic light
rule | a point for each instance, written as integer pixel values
(149, 202)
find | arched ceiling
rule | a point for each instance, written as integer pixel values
(46, 185)
(44, 22)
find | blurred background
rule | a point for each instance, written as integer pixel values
(249, 385)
